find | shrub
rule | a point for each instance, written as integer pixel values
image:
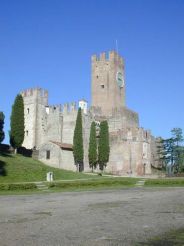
(92, 183)
(26, 186)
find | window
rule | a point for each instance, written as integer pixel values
(48, 154)
(27, 132)
(28, 110)
(102, 86)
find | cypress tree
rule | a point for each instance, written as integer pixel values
(17, 123)
(92, 152)
(78, 151)
(2, 135)
(103, 146)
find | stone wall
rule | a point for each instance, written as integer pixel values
(52, 123)
(55, 156)
(69, 121)
(130, 152)
(58, 158)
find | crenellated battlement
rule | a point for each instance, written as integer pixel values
(67, 108)
(111, 56)
(39, 92)
(53, 108)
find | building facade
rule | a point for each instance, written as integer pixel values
(50, 129)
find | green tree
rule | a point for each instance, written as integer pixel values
(92, 151)
(78, 151)
(17, 123)
(166, 154)
(2, 135)
(171, 151)
(177, 137)
(103, 145)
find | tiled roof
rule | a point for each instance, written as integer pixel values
(63, 145)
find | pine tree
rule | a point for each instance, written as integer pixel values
(177, 137)
(103, 146)
(17, 123)
(92, 151)
(78, 151)
(171, 151)
(2, 135)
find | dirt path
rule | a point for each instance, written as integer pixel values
(116, 217)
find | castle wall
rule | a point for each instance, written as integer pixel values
(130, 152)
(52, 122)
(123, 118)
(69, 121)
(87, 120)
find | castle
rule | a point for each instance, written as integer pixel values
(50, 129)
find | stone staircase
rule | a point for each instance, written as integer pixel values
(41, 186)
(140, 183)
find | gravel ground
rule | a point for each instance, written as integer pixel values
(114, 217)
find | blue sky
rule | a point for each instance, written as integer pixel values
(48, 43)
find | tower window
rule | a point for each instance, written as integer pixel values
(97, 76)
(28, 110)
(48, 154)
(102, 86)
(27, 133)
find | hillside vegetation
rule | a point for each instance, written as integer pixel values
(17, 168)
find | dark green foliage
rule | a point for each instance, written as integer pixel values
(2, 135)
(78, 151)
(181, 159)
(17, 122)
(171, 152)
(3, 171)
(92, 152)
(26, 186)
(178, 150)
(103, 146)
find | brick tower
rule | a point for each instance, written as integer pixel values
(107, 85)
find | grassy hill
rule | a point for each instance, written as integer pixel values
(18, 168)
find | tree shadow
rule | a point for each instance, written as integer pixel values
(25, 152)
(5, 150)
(5, 154)
(3, 171)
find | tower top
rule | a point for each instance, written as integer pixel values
(111, 56)
(35, 92)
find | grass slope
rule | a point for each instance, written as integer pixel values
(165, 182)
(24, 169)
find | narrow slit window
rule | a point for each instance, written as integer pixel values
(48, 154)
(27, 132)
(28, 110)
